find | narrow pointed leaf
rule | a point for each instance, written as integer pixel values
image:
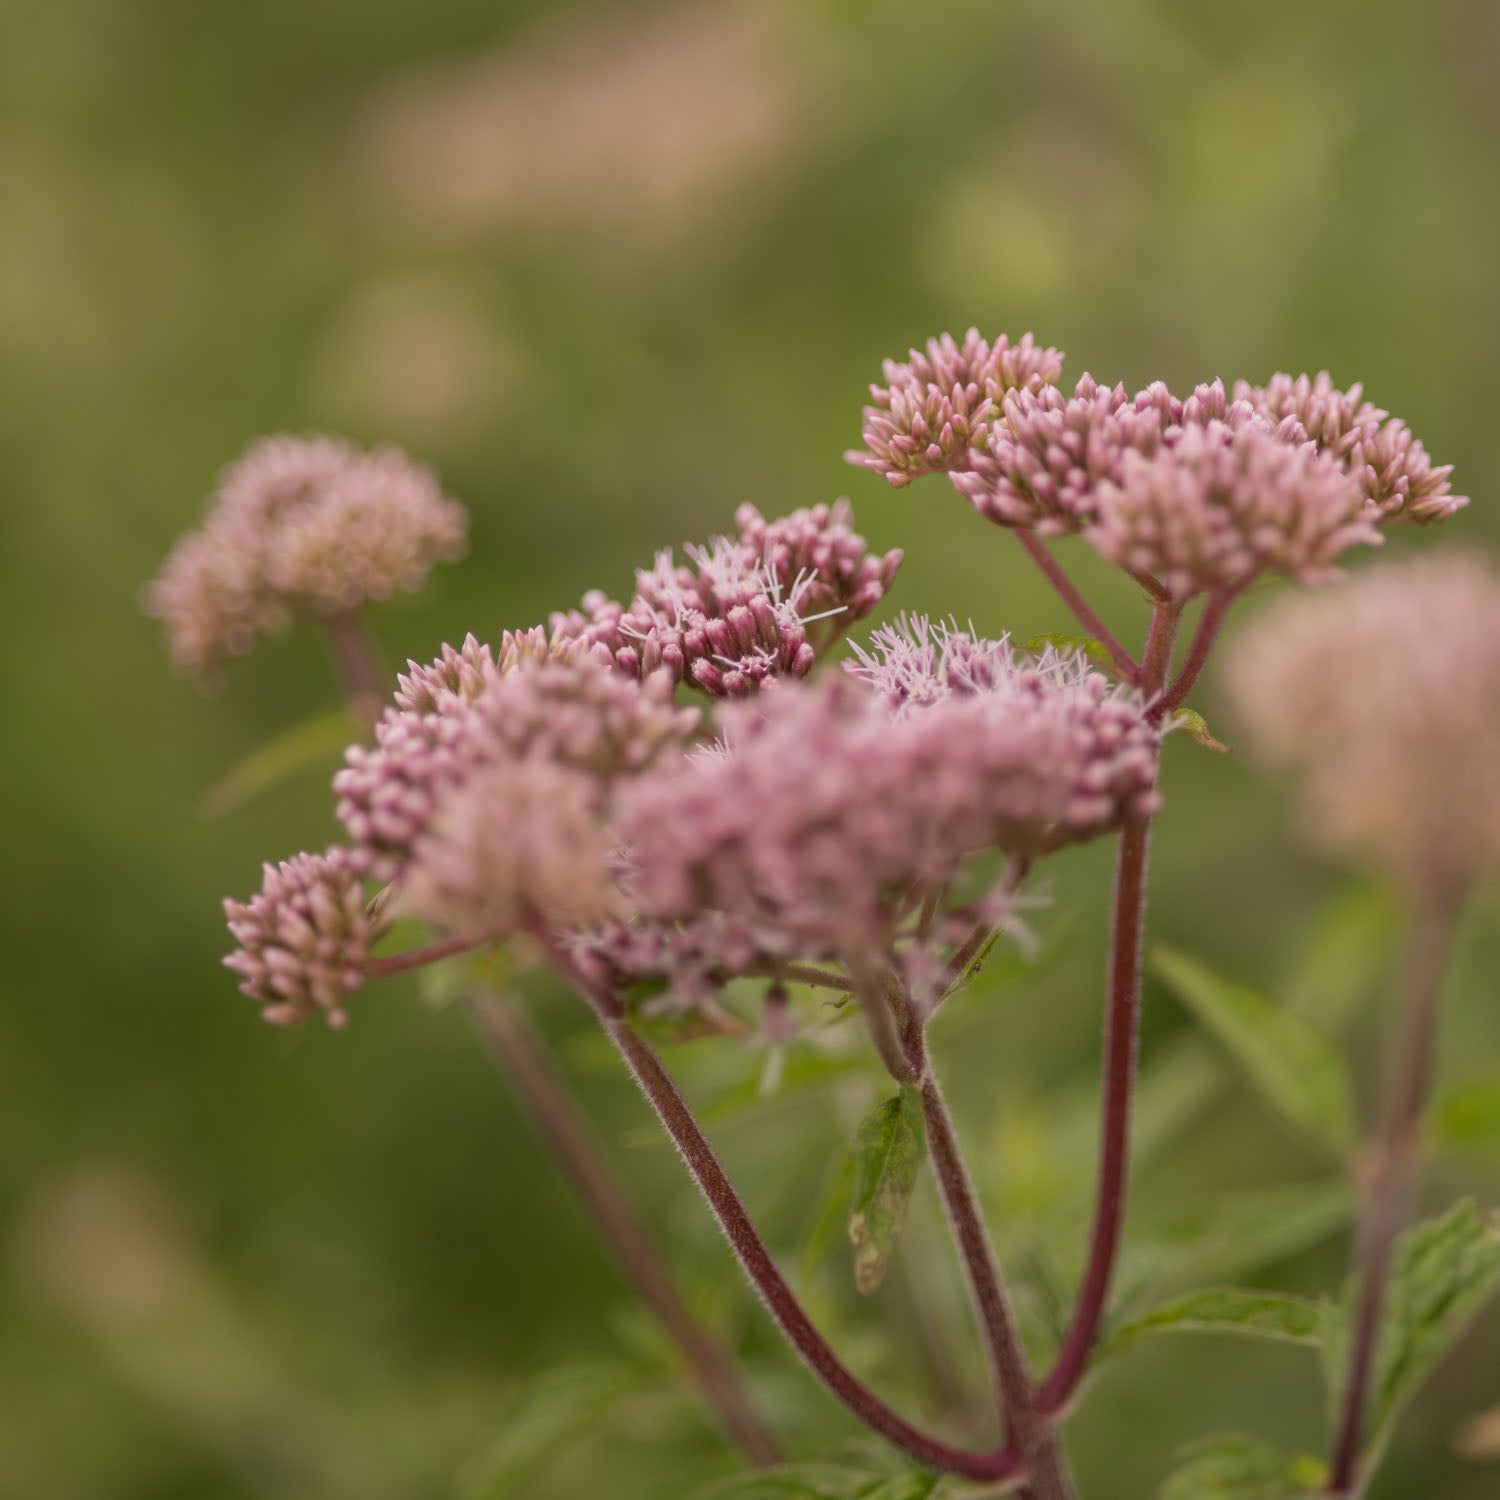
(1446, 1269)
(888, 1150)
(1240, 1312)
(1294, 1068)
(321, 738)
(1240, 1468)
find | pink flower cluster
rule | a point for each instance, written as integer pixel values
(1202, 493)
(823, 810)
(573, 711)
(300, 521)
(742, 610)
(303, 939)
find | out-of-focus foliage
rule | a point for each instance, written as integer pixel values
(614, 268)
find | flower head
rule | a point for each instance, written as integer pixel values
(573, 710)
(830, 803)
(303, 939)
(817, 554)
(310, 521)
(934, 410)
(456, 674)
(1384, 694)
(1218, 505)
(1049, 453)
(522, 837)
(916, 662)
(1398, 479)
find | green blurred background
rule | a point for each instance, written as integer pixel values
(615, 267)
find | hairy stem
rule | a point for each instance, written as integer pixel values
(522, 1057)
(1215, 607)
(357, 662)
(1156, 660)
(419, 958)
(1082, 610)
(781, 1302)
(1391, 1171)
(1029, 1433)
(1122, 1027)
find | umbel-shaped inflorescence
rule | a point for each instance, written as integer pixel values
(487, 797)
(1200, 493)
(300, 522)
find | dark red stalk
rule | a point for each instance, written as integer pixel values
(1215, 607)
(754, 1257)
(1082, 610)
(1121, 1043)
(1390, 1174)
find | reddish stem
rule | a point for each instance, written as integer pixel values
(1121, 1045)
(1391, 1171)
(1214, 609)
(1122, 1028)
(1083, 611)
(1028, 1433)
(419, 958)
(781, 1302)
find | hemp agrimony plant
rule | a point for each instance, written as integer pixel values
(716, 782)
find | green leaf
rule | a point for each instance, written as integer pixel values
(888, 1150)
(1191, 723)
(1240, 1468)
(830, 1214)
(1295, 1069)
(1446, 1269)
(559, 1408)
(820, 1482)
(1096, 652)
(1343, 958)
(1466, 1118)
(321, 738)
(1231, 1310)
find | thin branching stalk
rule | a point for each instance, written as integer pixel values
(1082, 610)
(1390, 1172)
(1121, 1040)
(755, 1258)
(1028, 1431)
(1215, 607)
(1121, 1045)
(513, 1043)
(419, 958)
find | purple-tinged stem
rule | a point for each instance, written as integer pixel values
(1390, 1173)
(512, 1042)
(419, 958)
(357, 662)
(756, 1260)
(1122, 1028)
(1215, 607)
(1083, 611)
(1156, 660)
(809, 974)
(1028, 1433)
(1121, 1044)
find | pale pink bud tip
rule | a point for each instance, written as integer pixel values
(303, 939)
